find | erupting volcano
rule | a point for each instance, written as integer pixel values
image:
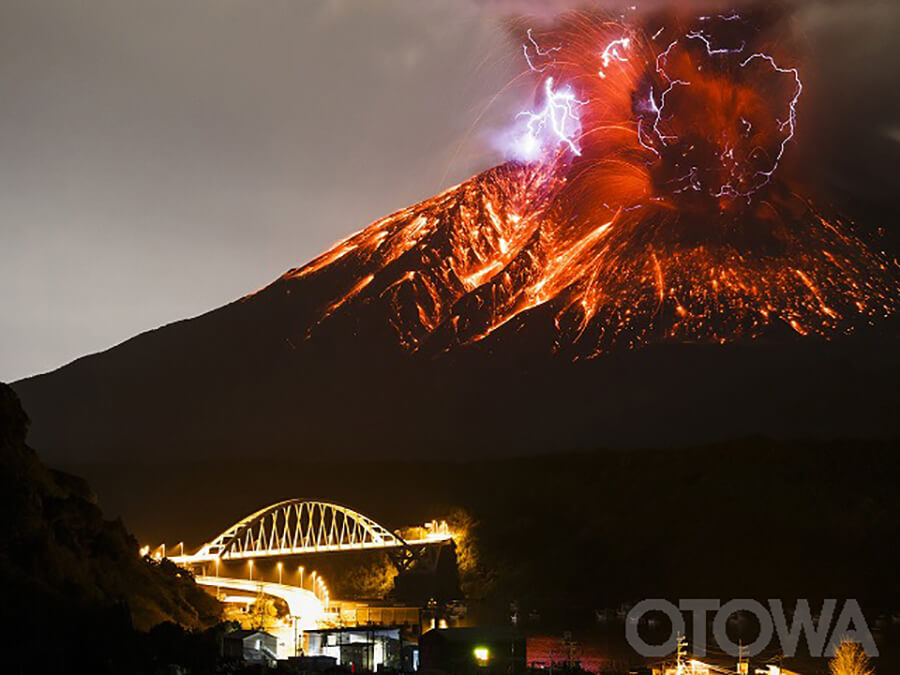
(652, 213)
(646, 202)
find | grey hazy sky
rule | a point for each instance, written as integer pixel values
(159, 158)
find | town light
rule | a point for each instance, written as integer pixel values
(482, 654)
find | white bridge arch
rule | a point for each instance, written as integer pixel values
(300, 526)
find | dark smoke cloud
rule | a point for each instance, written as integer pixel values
(849, 55)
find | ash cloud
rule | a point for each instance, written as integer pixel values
(848, 54)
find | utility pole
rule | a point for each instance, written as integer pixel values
(743, 667)
(680, 655)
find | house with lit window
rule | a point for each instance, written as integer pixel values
(251, 646)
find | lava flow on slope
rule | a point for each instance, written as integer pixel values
(646, 201)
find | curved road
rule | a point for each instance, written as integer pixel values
(302, 604)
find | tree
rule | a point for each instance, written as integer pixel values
(474, 579)
(850, 659)
(263, 613)
(374, 579)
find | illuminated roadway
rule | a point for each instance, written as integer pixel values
(302, 603)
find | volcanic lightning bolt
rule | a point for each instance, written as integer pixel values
(558, 119)
(649, 202)
(538, 50)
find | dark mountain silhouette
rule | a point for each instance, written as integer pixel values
(430, 335)
(58, 552)
(69, 574)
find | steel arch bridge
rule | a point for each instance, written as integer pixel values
(298, 527)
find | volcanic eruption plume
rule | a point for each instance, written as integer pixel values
(647, 200)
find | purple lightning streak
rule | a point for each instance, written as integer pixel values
(656, 109)
(558, 119)
(697, 35)
(613, 52)
(538, 51)
(791, 121)
(664, 55)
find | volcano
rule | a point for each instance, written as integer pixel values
(652, 277)
(422, 337)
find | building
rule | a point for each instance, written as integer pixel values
(360, 648)
(458, 651)
(349, 613)
(251, 646)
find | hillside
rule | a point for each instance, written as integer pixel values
(62, 562)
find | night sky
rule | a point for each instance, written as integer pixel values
(162, 158)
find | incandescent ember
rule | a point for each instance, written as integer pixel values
(655, 207)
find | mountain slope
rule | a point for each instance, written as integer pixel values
(448, 329)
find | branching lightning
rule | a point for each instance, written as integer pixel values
(539, 51)
(558, 119)
(791, 122)
(712, 51)
(613, 52)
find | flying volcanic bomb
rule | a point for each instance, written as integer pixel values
(646, 200)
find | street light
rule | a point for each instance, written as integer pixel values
(279, 572)
(300, 569)
(251, 569)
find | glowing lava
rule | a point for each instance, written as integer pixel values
(655, 209)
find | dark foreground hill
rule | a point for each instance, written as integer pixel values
(71, 577)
